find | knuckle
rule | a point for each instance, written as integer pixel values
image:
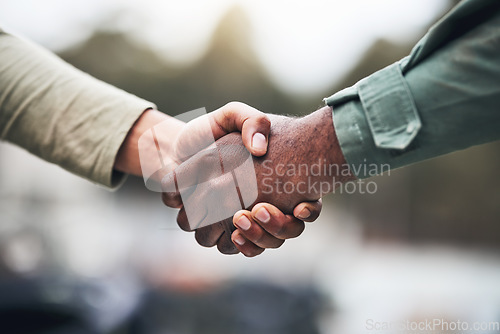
(258, 238)
(233, 105)
(165, 198)
(208, 159)
(204, 238)
(183, 224)
(263, 121)
(278, 230)
(169, 198)
(277, 244)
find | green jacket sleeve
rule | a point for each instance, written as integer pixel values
(62, 114)
(442, 98)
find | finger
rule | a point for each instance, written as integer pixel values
(172, 200)
(225, 245)
(188, 177)
(190, 219)
(208, 236)
(182, 220)
(245, 246)
(308, 211)
(153, 182)
(276, 222)
(170, 193)
(199, 168)
(254, 232)
(253, 124)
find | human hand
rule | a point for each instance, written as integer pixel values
(294, 143)
(176, 139)
(158, 143)
(267, 227)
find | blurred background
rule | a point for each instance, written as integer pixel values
(75, 258)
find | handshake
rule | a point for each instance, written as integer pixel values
(243, 180)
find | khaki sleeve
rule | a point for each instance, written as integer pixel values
(61, 114)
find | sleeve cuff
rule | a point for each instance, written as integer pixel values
(104, 173)
(376, 121)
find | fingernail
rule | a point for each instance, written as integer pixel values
(259, 142)
(239, 240)
(305, 213)
(243, 223)
(262, 215)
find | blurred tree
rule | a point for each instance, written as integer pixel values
(228, 71)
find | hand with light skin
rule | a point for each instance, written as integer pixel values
(249, 124)
(293, 142)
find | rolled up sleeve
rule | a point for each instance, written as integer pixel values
(61, 114)
(444, 97)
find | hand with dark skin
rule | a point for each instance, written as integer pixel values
(293, 142)
(252, 125)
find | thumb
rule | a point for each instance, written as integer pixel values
(253, 124)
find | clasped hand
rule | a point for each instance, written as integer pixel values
(216, 186)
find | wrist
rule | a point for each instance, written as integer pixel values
(330, 163)
(127, 159)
